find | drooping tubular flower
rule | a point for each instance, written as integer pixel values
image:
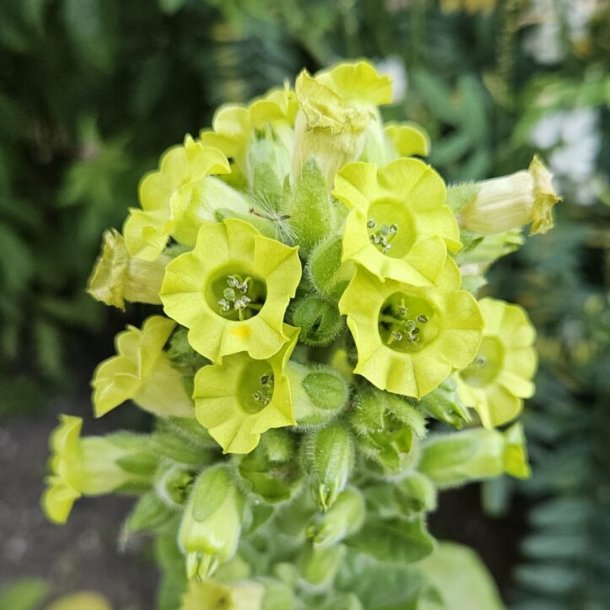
(241, 398)
(240, 132)
(119, 277)
(336, 107)
(141, 372)
(232, 290)
(500, 376)
(399, 225)
(84, 466)
(177, 199)
(409, 338)
(508, 202)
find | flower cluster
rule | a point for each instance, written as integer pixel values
(317, 310)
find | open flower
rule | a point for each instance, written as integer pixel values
(508, 202)
(241, 398)
(84, 466)
(409, 338)
(167, 194)
(141, 372)
(232, 290)
(237, 129)
(119, 277)
(499, 378)
(336, 107)
(398, 226)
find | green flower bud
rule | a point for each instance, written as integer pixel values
(472, 455)
(327, 273)
(342, 519)
(318, 566)
(318, 393)
(311, 211)
(329, 460)
(444, 404)
(211, 523)
(387, 427)
(270, 472)
(320, 321)
(416, 494)
(277, 595)
(173, 485)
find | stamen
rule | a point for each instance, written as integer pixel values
(224, 305)
(422, 318)
(371, 224)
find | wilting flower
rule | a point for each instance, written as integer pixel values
(337, 106)
(232, 290)
(211, 522)
(398, 226)
(261, 131)
(241, 398)
(508, 202)
(168, 195)
(499, 378)
(409, 338)
(88, 466)
(141, 372)
(119, 277)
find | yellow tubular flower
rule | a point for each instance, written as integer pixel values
(508, 202)
(410, 338)
(81, 466)
(232, 291)
(118, 277)
(498, 380)
(166, 196)
(141, 372)
(241, 398)
(399, 226)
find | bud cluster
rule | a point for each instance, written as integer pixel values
(317, 316)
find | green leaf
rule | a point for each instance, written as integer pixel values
(171, 6)
(380, 586)
(92, 25)
(150, 513)
(24, 594)
(461, 578)
(394, 540)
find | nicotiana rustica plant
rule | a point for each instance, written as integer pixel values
(318, 348)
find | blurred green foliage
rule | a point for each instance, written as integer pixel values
(92, 91)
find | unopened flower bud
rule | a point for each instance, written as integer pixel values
(318, 393)
(342, 519)
(501, 204)
(320, 321)
(211, 523)
(328, 274)
(416, 494)
(118, 277)
(318, 566)
(472, 455)
(329, 461)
